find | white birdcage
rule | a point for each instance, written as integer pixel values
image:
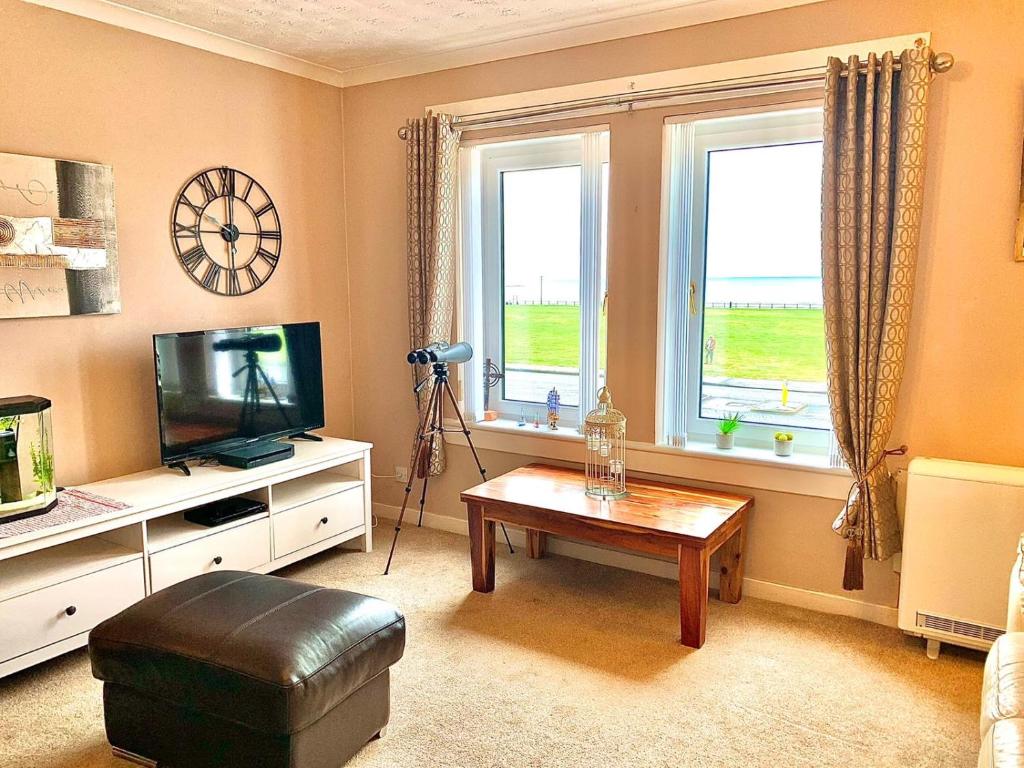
(604, 430)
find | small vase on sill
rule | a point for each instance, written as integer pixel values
(783, 444)
(725, 437)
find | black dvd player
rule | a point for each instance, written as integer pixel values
(255, 454)
(224, 511)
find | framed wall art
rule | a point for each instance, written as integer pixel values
(58, 238)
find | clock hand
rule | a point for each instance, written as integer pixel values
(231, 228)
(212, 220)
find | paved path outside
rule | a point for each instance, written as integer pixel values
(719, 396)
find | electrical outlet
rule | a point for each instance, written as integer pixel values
(401, 474)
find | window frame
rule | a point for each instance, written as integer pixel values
(686, 147)
(482, 311)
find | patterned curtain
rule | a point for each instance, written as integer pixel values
(873, 183)
(432, 146)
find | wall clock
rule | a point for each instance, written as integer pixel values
(226, 231)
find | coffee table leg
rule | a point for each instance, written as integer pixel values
(693, 595)
(537, 542)
(481, 549)
(730, 582)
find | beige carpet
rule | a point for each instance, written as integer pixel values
(574, 664)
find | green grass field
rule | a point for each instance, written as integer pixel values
(750, 343)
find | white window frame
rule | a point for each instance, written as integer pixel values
(481, 316)
(681, 301)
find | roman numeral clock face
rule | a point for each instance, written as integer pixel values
(226, 231)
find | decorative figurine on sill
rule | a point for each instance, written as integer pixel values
(522, 418)
(554, 403)
(536, 421)
(492, 375)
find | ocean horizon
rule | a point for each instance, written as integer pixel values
(801, 289)
(798, 289)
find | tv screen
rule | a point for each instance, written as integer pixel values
(216, 389)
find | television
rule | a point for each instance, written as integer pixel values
(219, 389)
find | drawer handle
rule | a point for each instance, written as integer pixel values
(323, 521)
(71, 610)
(218, 560)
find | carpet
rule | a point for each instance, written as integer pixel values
(569, 663)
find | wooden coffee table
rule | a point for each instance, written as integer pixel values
(657, 518)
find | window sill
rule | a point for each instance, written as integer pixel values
(802, 474)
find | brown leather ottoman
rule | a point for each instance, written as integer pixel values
(238, 670)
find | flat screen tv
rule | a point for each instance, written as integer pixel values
(219, 389)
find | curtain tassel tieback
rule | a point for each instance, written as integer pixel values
(853, 572)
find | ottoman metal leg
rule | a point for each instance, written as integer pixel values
(382, 733)
(131, 757)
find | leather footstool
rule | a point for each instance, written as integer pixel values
(239, 670)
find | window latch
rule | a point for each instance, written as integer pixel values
(693, 299)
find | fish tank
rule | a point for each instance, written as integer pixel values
(27, 485)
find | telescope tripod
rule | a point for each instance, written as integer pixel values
(251, 399)
(430, 428)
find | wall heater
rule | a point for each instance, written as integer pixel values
(960, 537)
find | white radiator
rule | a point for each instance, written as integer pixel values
(960, 535)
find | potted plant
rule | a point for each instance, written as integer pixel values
(727, 426)
(783, 443)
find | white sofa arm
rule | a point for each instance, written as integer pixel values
(1015, 604)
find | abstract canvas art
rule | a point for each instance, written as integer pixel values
(58, 238)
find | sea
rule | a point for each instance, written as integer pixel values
(801, 289)
(804, 289)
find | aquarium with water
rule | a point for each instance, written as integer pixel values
(26, 458)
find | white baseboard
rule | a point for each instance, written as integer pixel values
(764, 590)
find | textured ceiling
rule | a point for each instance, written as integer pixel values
(346, 34)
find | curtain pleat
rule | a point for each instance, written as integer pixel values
(432, 146)
(872, 190)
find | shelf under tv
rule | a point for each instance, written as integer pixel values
(61, 580)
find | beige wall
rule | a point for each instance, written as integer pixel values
(962, 395)
(159, 112)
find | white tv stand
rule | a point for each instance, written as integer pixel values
(59, 582)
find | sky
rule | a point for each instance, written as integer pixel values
(764, 208)
(764, 220)
(542, 233)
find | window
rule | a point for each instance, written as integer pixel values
(534, 251)
(742, 319)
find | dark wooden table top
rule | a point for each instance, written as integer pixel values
(690, 513)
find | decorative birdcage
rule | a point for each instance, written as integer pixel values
(604, 430)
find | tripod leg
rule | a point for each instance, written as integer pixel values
(435, 425)
(476, 456)
(280, 408)
(417, 448)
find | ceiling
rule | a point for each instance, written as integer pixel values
(346, 34)
(387, 38)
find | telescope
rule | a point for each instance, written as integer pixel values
(431, 430)
(441, 352)
(249, 343)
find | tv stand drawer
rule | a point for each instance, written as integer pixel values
(57, 612)
(316, 521)
(242, 548)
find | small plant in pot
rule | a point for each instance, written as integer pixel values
(725, 438)
(783, 443)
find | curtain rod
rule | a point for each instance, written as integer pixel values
(791, 80)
